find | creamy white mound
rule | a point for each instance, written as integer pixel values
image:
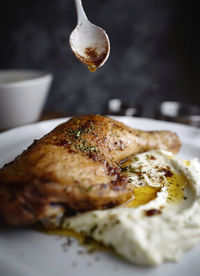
(163, 218)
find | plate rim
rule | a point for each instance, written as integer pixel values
(47, 123)
(62, 119)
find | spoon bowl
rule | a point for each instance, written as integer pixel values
(89, 43)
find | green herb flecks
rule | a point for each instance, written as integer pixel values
(80, 143)
(93, 229)
(76, 133)
(85, 147)
(129, 169)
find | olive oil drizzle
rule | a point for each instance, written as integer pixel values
(83, 239)
(142, 195)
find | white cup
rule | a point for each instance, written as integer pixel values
(22, 96)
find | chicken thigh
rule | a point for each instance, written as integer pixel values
(74, 168)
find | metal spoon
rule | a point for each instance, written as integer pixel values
(89, 43)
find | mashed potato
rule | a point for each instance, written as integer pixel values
(161, 221)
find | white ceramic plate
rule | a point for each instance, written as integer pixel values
(26, 252)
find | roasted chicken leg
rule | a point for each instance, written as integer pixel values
(76, 167)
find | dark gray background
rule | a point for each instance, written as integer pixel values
(154, 56)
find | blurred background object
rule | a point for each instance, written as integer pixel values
(121, 108)
(154, 55)
(22, 96)
(179, 112)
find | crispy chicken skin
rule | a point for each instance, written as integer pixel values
(76, 166)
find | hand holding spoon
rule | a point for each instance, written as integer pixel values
(89, 43)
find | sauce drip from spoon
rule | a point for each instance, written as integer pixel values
(89, 43)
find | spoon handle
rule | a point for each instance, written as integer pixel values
(80, 11)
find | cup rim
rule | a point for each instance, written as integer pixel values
(38, 76)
